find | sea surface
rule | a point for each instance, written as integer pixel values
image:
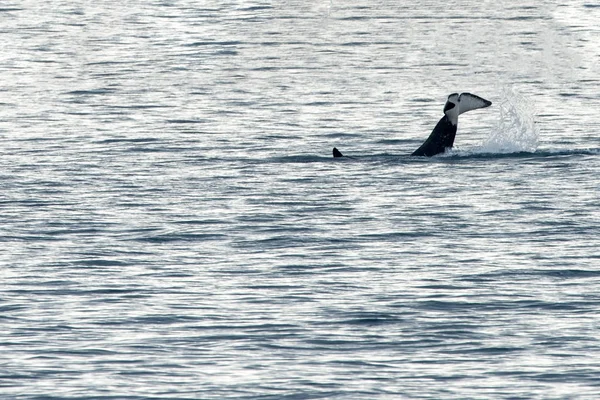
(173, 224)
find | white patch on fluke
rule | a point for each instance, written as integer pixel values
(468, 102)
(463, 103)
(453, 113)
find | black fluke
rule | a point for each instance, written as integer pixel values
(337, 153)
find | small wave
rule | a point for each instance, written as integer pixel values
(301, 159)
(453, 154)
(479, 154)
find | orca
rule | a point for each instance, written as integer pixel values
(442, 136)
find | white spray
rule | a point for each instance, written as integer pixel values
(516, 130)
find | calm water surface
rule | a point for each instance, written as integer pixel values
(173, 226)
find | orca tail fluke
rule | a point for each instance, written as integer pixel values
(469, 101)
(337, 153)
(442, 136)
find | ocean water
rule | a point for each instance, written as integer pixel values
(173, 224)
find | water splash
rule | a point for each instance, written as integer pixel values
(516, 130)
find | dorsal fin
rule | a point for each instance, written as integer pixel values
(337, 153)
